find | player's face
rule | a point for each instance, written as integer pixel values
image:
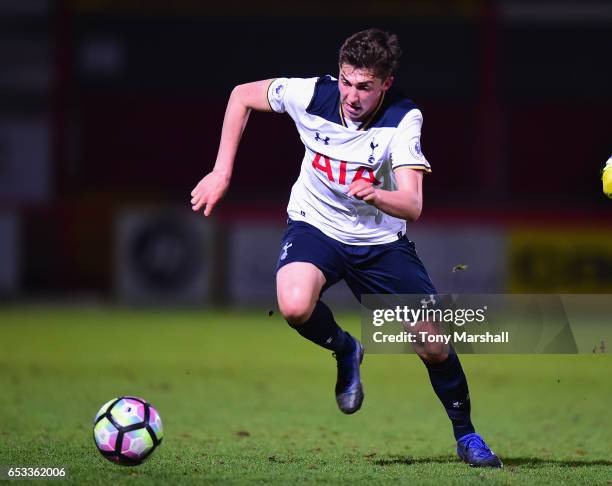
(360, 91)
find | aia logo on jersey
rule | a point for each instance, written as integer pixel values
(324, 164)
(318, 138)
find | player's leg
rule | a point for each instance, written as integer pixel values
(298, 286)
(395, 268)
(309, 263)
(450, 385)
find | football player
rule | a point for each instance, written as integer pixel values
(360, 183)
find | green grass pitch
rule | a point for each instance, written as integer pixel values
(245, 399)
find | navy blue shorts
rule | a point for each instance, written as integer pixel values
(390, 268)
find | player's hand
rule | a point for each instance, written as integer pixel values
(363, 190)
(208, 192)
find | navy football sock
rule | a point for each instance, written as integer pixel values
(321, 329)
(450, 384)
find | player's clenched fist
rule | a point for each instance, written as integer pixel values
(208, 192)
(363, 189)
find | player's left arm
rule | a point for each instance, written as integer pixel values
(404, 203)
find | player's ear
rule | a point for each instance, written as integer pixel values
(387, 83)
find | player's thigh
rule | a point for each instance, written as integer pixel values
(309, 262)
(298, 286)
(393, 268)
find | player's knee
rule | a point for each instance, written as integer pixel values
(433, 355)
(295, 306)
(433, 352)
(296, 313)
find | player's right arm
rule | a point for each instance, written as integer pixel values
(244, 98)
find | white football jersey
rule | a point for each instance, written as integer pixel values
(339, 152)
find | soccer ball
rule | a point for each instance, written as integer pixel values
(127, 430)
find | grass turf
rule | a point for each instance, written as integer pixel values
(244, 399)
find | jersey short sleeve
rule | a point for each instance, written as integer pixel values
(405, 147)
(290, 95)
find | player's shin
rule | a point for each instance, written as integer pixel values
(450, 384)
(322, 329)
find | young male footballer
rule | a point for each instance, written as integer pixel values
(360, 182)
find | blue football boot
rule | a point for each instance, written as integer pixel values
(472, 449)
(349, 390)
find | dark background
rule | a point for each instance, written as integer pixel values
(515, 95)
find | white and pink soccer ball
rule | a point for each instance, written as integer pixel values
(127, 430)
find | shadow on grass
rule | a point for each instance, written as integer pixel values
(508, 461)
(537, 462)
(407, 461)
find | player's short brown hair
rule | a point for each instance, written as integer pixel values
(372, 49)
